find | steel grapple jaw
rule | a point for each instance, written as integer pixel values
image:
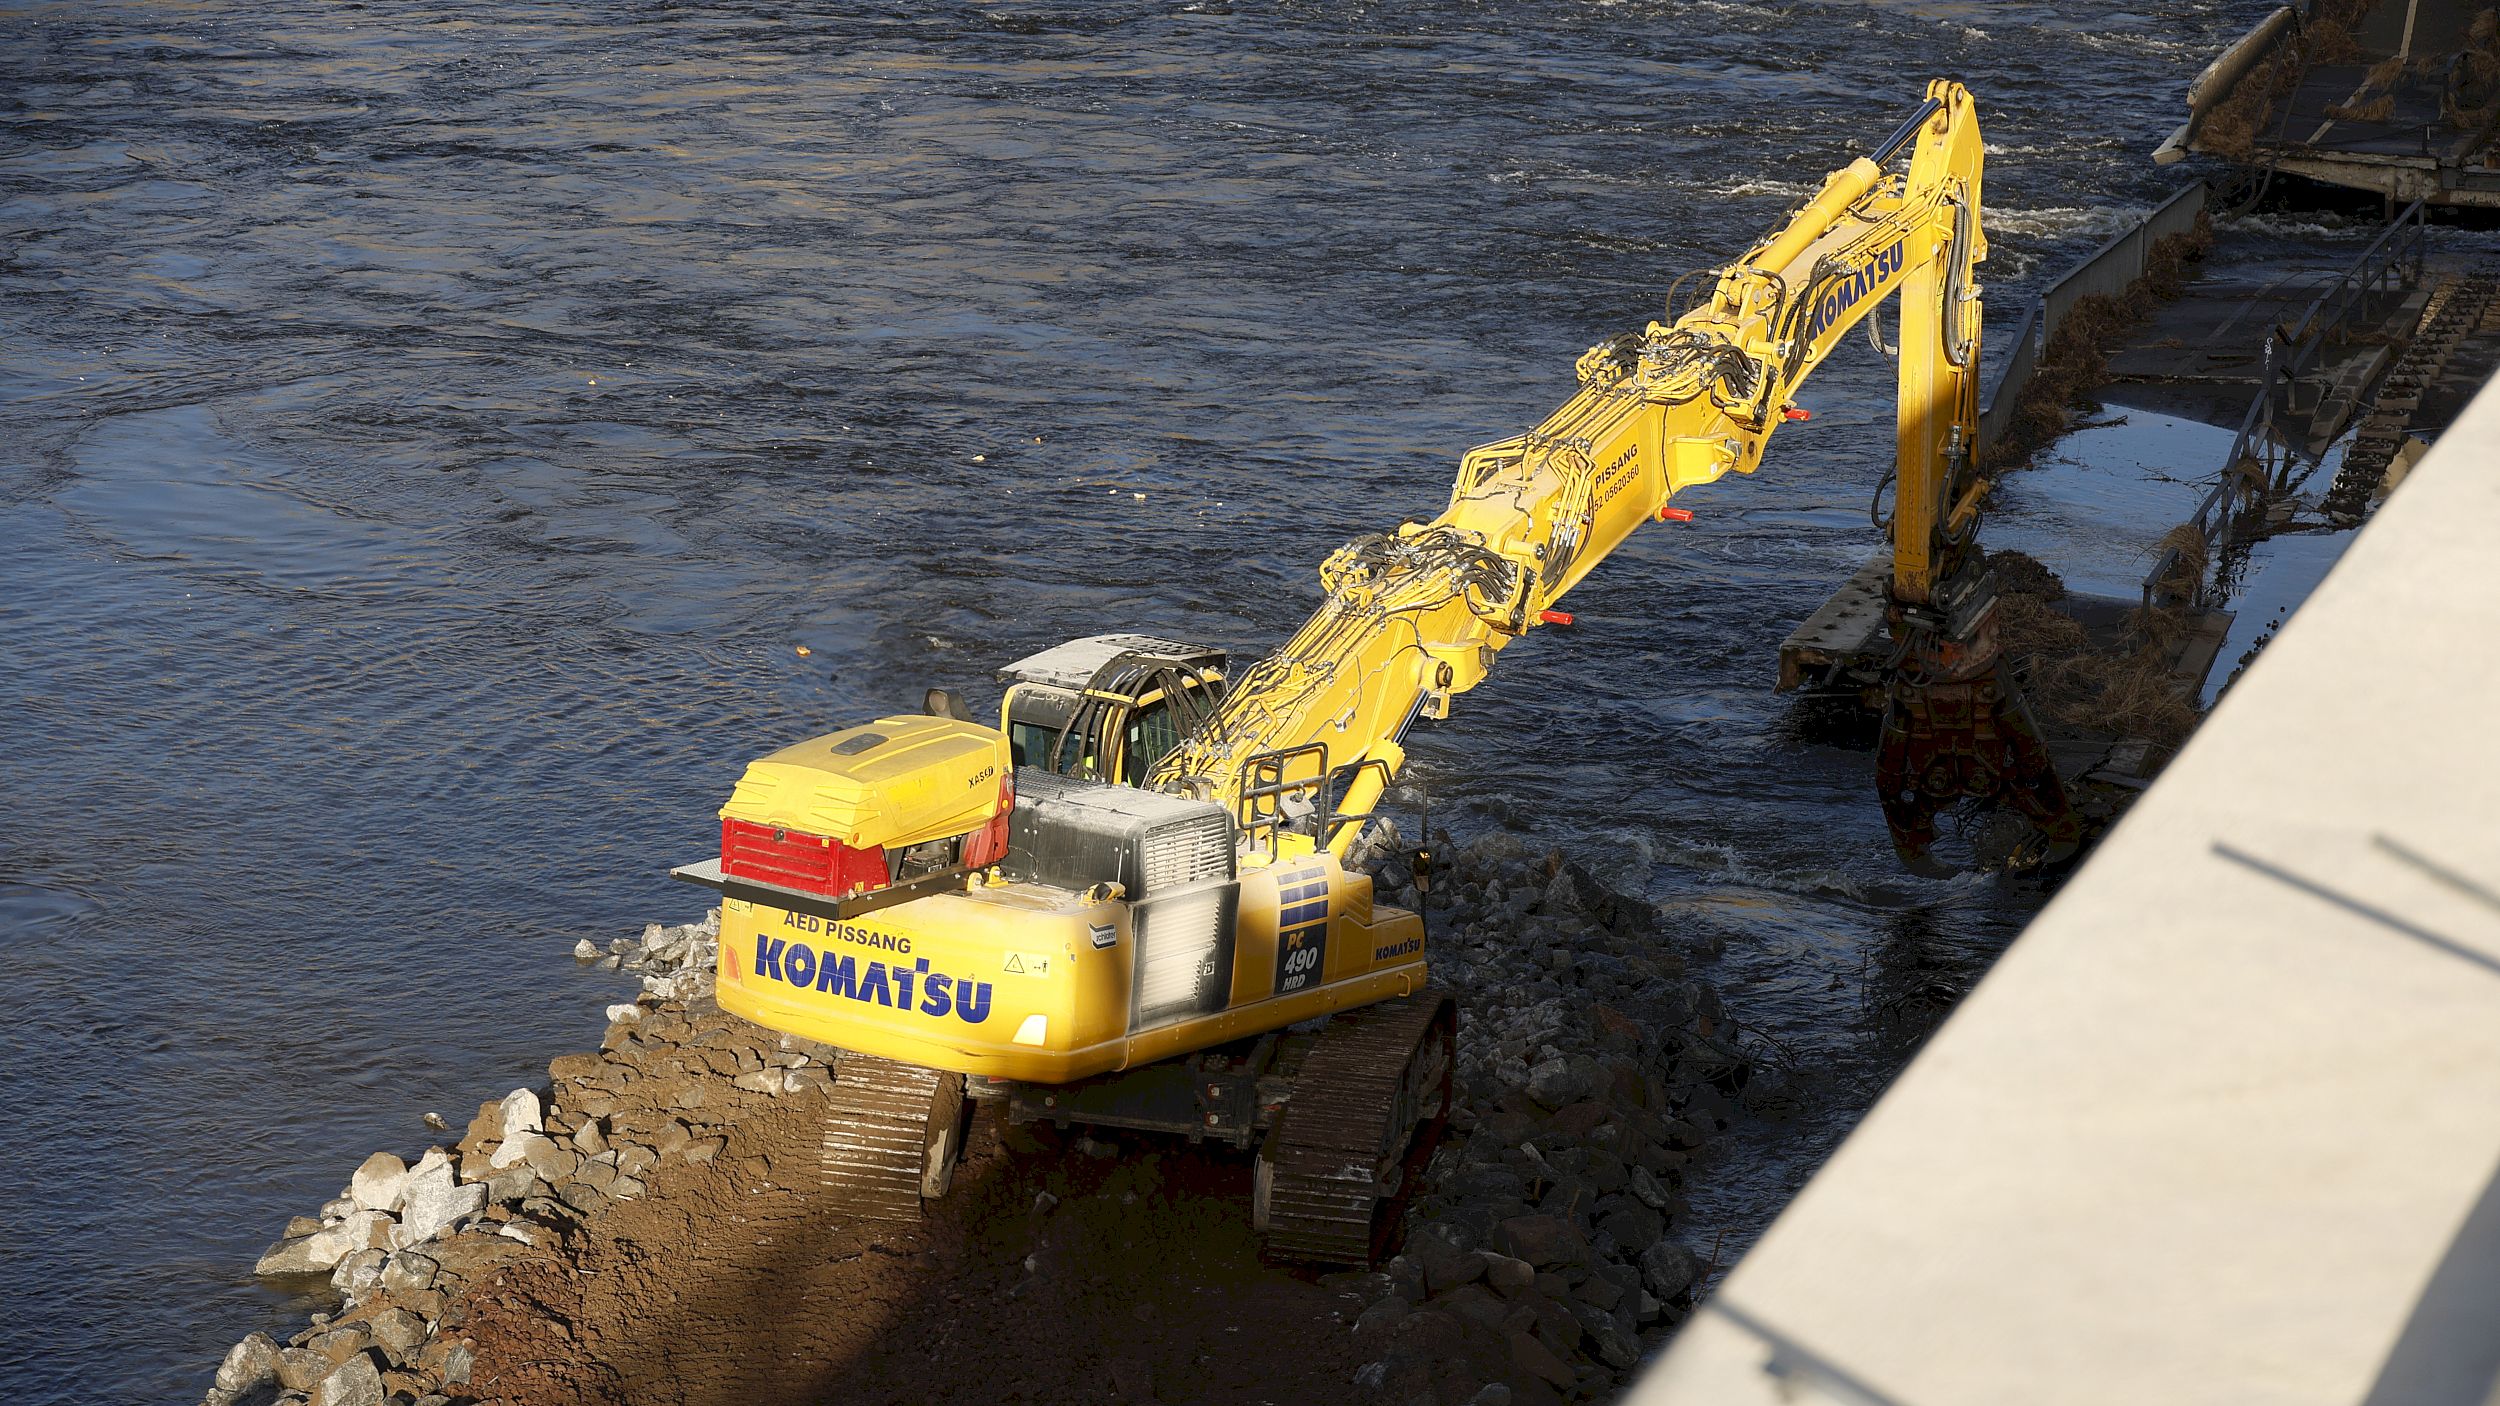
(1961, 740)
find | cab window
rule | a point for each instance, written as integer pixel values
(1152, 734)
(1030, 744)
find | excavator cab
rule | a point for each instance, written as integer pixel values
(1108, 707)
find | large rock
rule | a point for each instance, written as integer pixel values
(1544, 1241)
(301, 1368)
(409, 1272)
(1561, 1082)
(1646, 1186)
(290, 1256)
(514, 1184)
(359, 1274)
(518, 1147)
(523, 1113)
(1669, 1269)
(1617, 1347)
(435, 1199)
(1635, 1227)
(1512, 1276)
(376, 1185)
(1479, 1307)
(320, 1252)
(356, 1382)
(250, 1363)
(1533, 1358)
(553, 1160)
(530, 1233)
(399, 1332)
(1376, 1321)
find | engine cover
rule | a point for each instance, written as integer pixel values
(1075, 834)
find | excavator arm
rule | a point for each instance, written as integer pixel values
(1306, 742)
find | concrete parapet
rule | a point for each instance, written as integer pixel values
(2224, 1124)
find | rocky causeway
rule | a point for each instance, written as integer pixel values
(639, 1227)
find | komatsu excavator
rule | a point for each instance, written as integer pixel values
(1128, 905)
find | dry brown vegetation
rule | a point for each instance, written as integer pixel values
(2187, 569)
(2128, 690)
(2377, 109)
(2474, 104)
(2232, 128)
(2129, 695)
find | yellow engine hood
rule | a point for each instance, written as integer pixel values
(896, 781)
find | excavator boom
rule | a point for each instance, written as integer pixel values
(1417, 615)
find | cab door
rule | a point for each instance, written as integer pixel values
(1152, 728)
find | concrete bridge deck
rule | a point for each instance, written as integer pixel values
(2224, 1124)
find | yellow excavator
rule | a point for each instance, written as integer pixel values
(1127, 904)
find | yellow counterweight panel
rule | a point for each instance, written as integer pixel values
(897, 781)
(949, 981)
(1022, 981)
(1308, 922)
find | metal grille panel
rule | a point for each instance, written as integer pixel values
(1196, 850)
(1184, 958)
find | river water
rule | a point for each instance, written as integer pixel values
(429, 432)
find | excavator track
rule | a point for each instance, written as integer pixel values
(1369, 1106)
(892, 1136)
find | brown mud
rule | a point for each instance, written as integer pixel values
(647, 1227)
(1057, 1269)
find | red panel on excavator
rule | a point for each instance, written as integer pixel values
(773, 855)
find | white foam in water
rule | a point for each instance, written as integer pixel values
(1724, 861)
(2062, 221)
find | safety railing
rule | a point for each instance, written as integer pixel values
(2262, 455)
(2110, 271)
(2391, 263)
(1271, 785)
